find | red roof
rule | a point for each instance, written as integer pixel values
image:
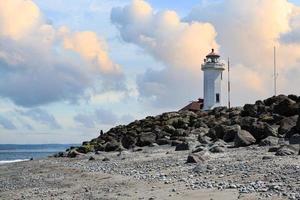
(194, 106)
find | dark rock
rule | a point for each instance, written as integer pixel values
(105, 159)
(249, 110)
(145, 139)
(287, 124)
(60, 155)
(163, 141)
(269, 141)
(230, 132)
(267, 157)
(275, 100)
(197, 158)
(183, 147)
(112, 146)
(287, 108)
(91, 158)
(85, 149)
(74, 153)
(286, 150)
(273, 149)
(243, 138)
(128, 141)
(295, 139)
(217, 149)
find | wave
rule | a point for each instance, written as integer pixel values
(12, 161)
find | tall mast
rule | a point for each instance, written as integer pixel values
(275, 73)
(229, 89)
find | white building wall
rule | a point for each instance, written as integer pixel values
(212, 86)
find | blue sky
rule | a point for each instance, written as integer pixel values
(71, 68)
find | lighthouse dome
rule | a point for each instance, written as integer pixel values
(212, 54)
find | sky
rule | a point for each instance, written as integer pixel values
(71, 68)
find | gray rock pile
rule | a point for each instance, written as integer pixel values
(273, 122)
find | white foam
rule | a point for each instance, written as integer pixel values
(12, 161)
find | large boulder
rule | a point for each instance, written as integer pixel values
(287, 108)
(112, 146)
(230, 132)
(287, 124)
(128, 141)
(269, 141)
(145, 139)
(249, 110)
(243, 138)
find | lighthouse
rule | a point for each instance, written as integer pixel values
(213, 70)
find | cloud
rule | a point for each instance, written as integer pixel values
(6, 123)
(39, 63)
(103, 117)
(41, 116)
(180, 46)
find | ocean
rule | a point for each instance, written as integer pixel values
(15, 153)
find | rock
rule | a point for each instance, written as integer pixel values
(183, 147)
(128, 141)
(243, 138)
(163, 141)
(204, 139)
(112, 146)
(267, 157)
(249, 110)
(230, 132)
(287, 108)
(269, 141)
(217, 149)
(145, 139)
(273, 149)
(275, 100)
(197, 158)
(74, 153)
(60, 155)
(91, 158)
(286, 125)
(85, 149)
(105, 159)
(286, 150)
(295, 139)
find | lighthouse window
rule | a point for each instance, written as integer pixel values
(218, 98)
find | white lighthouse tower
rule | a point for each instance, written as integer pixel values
(213, 70)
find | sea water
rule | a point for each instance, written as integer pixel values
(15, 153)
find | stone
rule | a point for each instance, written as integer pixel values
(204, 139)
(243, 138)
(197, 158)
(183, 147)
(269, 141)
(286, 150)
(112, 146)
(286, 125)
(230, 132)
(249, 110)
(74, 153)
(217, 149)
(287, 108)
(128, 141)
(105, 159)
(163, 141)
(295, 139)
(145, 139)
(91, 158)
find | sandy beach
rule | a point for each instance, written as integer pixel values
(155, 173)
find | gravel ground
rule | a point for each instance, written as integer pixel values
(155, 173)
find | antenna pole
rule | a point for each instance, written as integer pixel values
(275, 73)
(229, 89)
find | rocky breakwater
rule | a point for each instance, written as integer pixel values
(272, 122)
